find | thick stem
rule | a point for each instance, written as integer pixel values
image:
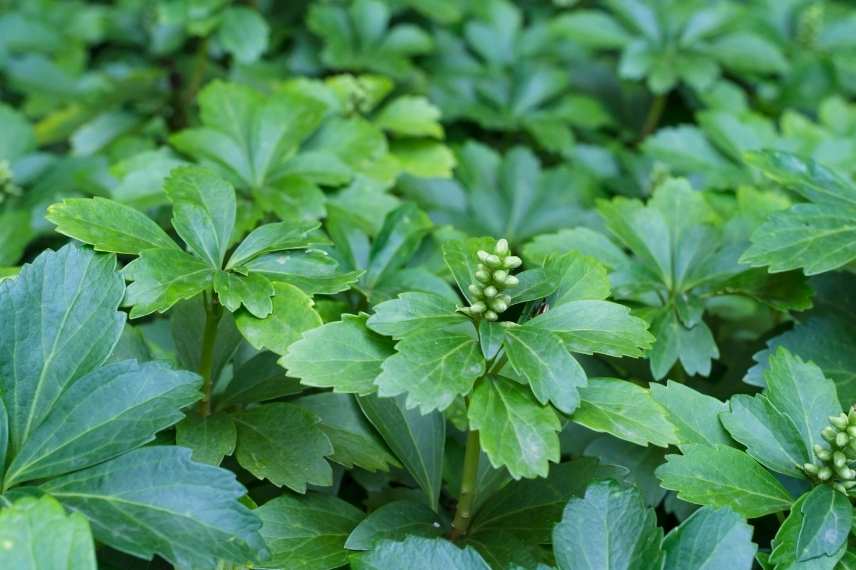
(464, 512)
(213, 312)
(652, 119)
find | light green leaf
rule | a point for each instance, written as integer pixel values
(353, 439)
(625, 410)
(307, 533)
(211, 438)
(413, 311)
(284, 444)
(292, 315)
(417, 553)
(432, 368)
(395, 521)
(694, 415)
(596, 327)
(343, 355)
(418, 441)
(515, 431)
(243, 33)
(165, 504)
(108, 225)
(163, 277)
(203, 211)
(410, 116)
(253, 291)
(37, 534)
(769, 436)
(587, 242)
(579, 277)
(313, 271)
(109, 411)
(541, 358)
(274, 237)
(60, 323)
(611, 528)
(710, 539)
(722, 476)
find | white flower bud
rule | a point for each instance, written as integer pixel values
(482, 276)
(498, 306)
(810, 468)
(500, 276)
(491, 316)
(477, 308)
(839, 421)
(493, 261)
(501, 247)
(511, 281)
(839, 459)
(512, 262)
(841, 439)
(482, 255)
(490, 291)
(475, 290)
(824, 473)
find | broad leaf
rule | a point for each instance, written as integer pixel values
(108, 225)
(307, 532)
(284, 444)
(516, 432)
(694, 415)
(722, 476)
(579, 278)
(163, 277)
(395, 521)
(253, 291)
(411, 312)
(292, 315)
(274, 237)
(417, 553)
(186, 512)
(343, 355)
(625, 410)
(708, 540)
(37, 534)
(609, 528)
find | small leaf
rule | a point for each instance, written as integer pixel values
(610, 528)
(694, 346)
(625, 410)
(395, 521)
(108, 225)
(274, 237)
(694, 415)
(722, 476)
(411, 312)
(284, 444)
(710, 539)
(580, 278)
(37, 534)
(243, 33)
(343, 355)
(253, 291)
(211, 438)
(402, 232)
(163, 277)
(307, 532)
(292, 315)
(515, 431)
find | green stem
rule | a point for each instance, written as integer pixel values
(464, 512)
(652, 119)
(213, 312)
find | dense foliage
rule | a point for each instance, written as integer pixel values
(420, 284)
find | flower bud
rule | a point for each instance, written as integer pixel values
(810, 468)
(839, 421)
(475, 290)
(483, 276)
(505, 298)
(818, 448)
(490, 291)
(477, 308)
(841, 439)
(823, 454)
(839, 487)
(839, 459)
(851, 431)
(846, 473)
(824, 473)
(828, 433)
(500, 276)
(492, 261)
(498, 306)
(491, 316)
(511, 281)
(849, 484)
(482, 255)
(512, 262)
(501, 247)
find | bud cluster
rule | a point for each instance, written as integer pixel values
(833, 464)
(493, 277)
(7, 187)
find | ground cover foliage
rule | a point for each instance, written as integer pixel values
(419, 284)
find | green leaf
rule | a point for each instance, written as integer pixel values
(591, 28)
(460, 258)
(109, 411)
(395, 521)
(308, 532)
(694, 415)
(579, 277)
(708, 540)
(163, 277)
(203, 211)
(529, 508)
(343, 355)
(413, 311)
(541, 358)
(694, 346)
(596, 327)
(313, 271)
(291, 316)
(610, 528)
(410, 116)
(743, 51)
(353, 439)
(253, 291)
(722, 476)
(417, 553)
(432, 368)
(402, 232)
(625, 410)
(165, 504)
(108, 225)
(418, 441)
(37, 534)
(60, 323)
(258, 379)
(588, 242)
(800, 392)
(243, 33)
(284, 444)
(815, 533)
(274, 237)
(211, 438)
(769, 436)
(515, 431)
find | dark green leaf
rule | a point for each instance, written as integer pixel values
(211, 438)
(708, 540)
(292, 315)
(395, 521)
